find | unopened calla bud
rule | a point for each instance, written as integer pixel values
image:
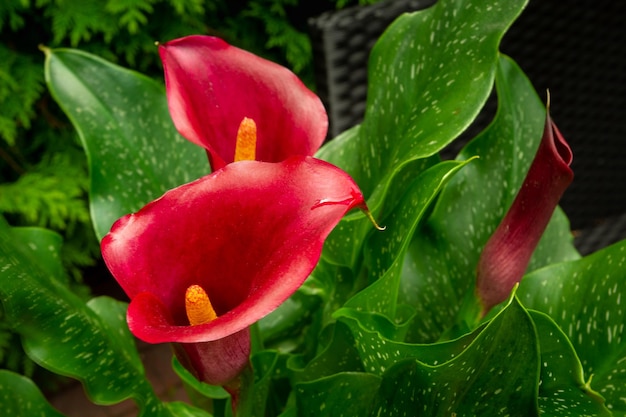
(507, 253)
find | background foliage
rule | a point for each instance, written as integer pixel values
(43, 169)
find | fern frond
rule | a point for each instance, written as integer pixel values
(21, 85)
(132, 13)
(80, 21)
(295, 44)
(10, 12)
(51, 195)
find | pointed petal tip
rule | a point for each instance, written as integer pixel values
(508, 251)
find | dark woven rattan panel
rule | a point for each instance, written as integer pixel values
(342, 42)
(576, 49)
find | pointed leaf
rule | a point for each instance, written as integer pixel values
(584, 297)
(380, 353)
(493, 370)
(419, 72)
(384, 251)
(562, 391)
(133, 149)
(440, 265)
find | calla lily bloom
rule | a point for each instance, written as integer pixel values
(212, 86)
(507, 253)
(209, 258)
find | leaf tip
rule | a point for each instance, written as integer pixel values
(44, 49)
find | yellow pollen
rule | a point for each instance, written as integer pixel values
(198, 306)
(245, 148)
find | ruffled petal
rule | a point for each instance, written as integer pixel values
(248, 234)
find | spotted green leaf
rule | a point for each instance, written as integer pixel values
(584, 297)
(133, 149)
(343, 394)
(429, 75)
(19, 396)
(378, 352)
(497, 374)
(439, 268)
(90, 342)
(494, 371)
(384, 252)
(563, 391)
(338, 355)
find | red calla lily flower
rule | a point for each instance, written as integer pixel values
(508, 251)
(248, 235)
(212, 86)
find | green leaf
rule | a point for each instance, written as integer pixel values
(337, 356)
(497, 374)
(439, 268)
(265, 365)
(584, 297)
(562, 391)
(379, 353)
(180, 409)
(209, 391)
(343, 394)
(19, 396)
(493, 371)
(88, 342)
(384, 251)
(419, 72)
(134, 151)
(283, 327)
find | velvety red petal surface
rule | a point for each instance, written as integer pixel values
(211, 86)
(249, 234)
(507, 253)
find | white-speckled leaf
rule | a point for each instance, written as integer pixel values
(440, 265)
(492, 371)
(338, 355)
(429, 75)
(562, 391)
(496, 375)
(584, 297)
(345, 394)
(88, 342)
(19, 396)
(346, 241)
(378, 352)
(384, 251)
(133, 149)
(423, 67)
